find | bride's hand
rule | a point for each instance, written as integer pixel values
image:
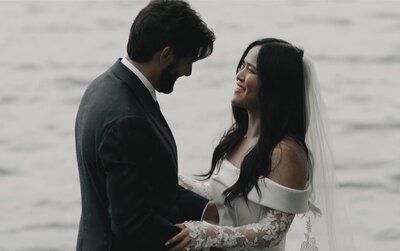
(183, 240)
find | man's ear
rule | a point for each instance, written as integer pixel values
(166, 55)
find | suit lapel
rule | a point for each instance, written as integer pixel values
(151, 109)
(167, 130)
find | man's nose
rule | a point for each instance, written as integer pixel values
(188, 71)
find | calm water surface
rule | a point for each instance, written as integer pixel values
(51, 50)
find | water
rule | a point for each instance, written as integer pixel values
(50, 50)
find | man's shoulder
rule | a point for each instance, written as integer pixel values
(111, 96)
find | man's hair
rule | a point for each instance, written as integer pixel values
(169, 23)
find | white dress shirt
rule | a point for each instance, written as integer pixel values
(142, 78)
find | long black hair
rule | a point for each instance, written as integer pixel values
(282, 111)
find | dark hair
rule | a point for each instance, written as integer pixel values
(169, 23)
(282, 110)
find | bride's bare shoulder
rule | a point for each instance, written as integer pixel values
(289, 164)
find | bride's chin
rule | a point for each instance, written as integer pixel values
(235, 103)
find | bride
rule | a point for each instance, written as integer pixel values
(272, 163)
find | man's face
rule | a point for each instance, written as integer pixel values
(177, 68)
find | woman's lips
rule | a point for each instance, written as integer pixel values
(239, 88)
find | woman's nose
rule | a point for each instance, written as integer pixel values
(239, 74)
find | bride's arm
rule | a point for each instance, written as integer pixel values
(202, 188)
(266, 233)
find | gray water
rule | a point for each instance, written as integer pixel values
(51, 50)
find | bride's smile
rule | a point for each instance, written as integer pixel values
(247, 82)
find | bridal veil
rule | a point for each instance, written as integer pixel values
(325, 227)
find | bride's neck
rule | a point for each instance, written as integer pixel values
(254, 125)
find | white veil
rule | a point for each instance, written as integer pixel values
(325, 227)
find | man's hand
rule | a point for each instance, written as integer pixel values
(183, 240)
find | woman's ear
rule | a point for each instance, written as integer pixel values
(166, 55)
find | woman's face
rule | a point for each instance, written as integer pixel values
(247, 82)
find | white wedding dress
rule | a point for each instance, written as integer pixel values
(261, 224)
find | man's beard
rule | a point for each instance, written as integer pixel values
(167, 78)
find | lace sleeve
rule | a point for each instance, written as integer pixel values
(266, 233)
(202, 188)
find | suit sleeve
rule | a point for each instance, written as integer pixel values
(191, 205)
(125, 151)
(193, 198)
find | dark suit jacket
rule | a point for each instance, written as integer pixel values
(127, 162)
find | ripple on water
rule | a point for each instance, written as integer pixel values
(396, 178)
(356, 59)
(373, 126)
(72, 100)
(35, 99)
(94, 65)
(59, 205)
(375, 164)
(51, 127)
(26, 67)
(28, 147)
(395, 27)
(42, 226)
(363, 165)
(6, 171)
(70, 82)
(54, 28)
(52, 225)
(388, 234)
(8, 99)
(40, 249)
(335, 21)
(388, 59)
(361, 185)
(386, 15)
(58, 64)
(34, 8)
(111, 23)
(358, 99)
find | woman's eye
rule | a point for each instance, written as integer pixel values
(252, 70)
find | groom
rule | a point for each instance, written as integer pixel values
(126, 153)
